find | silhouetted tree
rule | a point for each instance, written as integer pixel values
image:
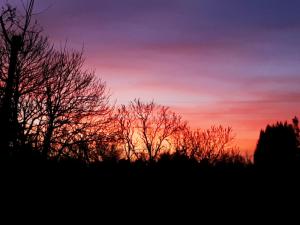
(22, 50)
(206, 145)
(297, 129)
(216, 141)
(277, 146)
(49, 103)
(154, 126)
(126, 128)
(73, 104)
(47, 100)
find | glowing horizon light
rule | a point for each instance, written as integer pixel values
(234, 63)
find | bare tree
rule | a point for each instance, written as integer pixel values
(155, 126)
(211, 144)
(47, 99)
(74, 103)
(22, 49)
(215, 142)
(126, 128)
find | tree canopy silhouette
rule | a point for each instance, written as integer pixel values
(277, 145)
(52, 105)
(22, 50)
(47, 100)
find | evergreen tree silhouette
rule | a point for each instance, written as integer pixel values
(277, 146)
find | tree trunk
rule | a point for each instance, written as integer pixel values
(47, 139)
(8, 111)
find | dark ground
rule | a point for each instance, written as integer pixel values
(123, 191)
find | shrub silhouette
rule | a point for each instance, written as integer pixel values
(277, 146)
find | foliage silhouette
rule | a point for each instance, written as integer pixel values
(21, 48)
(57, 124)
(51, 105)
(47, 100)
(277, 146)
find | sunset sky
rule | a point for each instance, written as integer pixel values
(229, 62)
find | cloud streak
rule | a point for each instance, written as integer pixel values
(234, 62)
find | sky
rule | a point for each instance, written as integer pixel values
(228, 62)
